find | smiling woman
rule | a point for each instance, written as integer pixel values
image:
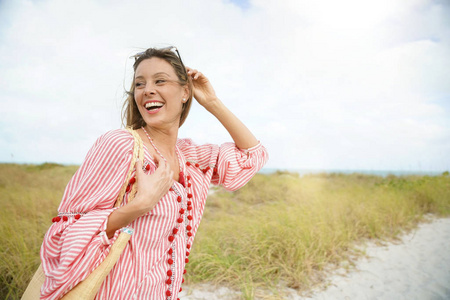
(168, 187)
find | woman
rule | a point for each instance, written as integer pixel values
(172, 187)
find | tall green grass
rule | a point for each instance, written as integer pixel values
(29, 198)
(284, 229)
(278, 229)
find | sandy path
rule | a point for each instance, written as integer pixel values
(416, 268)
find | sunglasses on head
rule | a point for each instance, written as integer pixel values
(170, 48)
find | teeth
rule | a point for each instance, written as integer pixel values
(153, 105)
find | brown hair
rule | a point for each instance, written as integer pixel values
(130, 112)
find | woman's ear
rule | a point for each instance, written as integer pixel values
(186, 92)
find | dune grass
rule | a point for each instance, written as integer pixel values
(279, 229)
(282, 229)
(29, 198)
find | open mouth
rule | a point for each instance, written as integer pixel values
(152, 106)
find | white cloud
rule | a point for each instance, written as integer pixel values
(324, 84)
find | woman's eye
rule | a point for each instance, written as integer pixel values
(160, 81)
(139, 84)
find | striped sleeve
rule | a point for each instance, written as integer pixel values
(74, 246)
(235, 167)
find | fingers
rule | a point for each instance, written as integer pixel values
(195, 74)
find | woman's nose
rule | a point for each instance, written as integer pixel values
(149, 90)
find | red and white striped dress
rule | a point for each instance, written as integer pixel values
(76, 243)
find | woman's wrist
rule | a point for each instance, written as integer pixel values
(214, 106)
(125, 215)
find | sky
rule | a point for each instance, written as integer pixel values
(323, 84)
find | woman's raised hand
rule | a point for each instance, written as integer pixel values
(203, 90)
(151, 188)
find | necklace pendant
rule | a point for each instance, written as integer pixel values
(181, 179)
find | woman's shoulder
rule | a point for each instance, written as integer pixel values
(113, 140)
(189, 144)
(194, 151)
(115, 136)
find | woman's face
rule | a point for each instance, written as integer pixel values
(158, 95)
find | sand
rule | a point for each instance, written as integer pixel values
(416, 267)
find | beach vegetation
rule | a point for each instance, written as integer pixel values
(281, 229)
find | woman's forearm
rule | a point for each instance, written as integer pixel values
(123, 216)
(242, 136)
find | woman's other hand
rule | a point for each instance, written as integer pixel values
(151, 188)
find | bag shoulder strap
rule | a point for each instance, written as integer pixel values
(138, 153)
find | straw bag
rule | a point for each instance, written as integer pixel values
(88, 288)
